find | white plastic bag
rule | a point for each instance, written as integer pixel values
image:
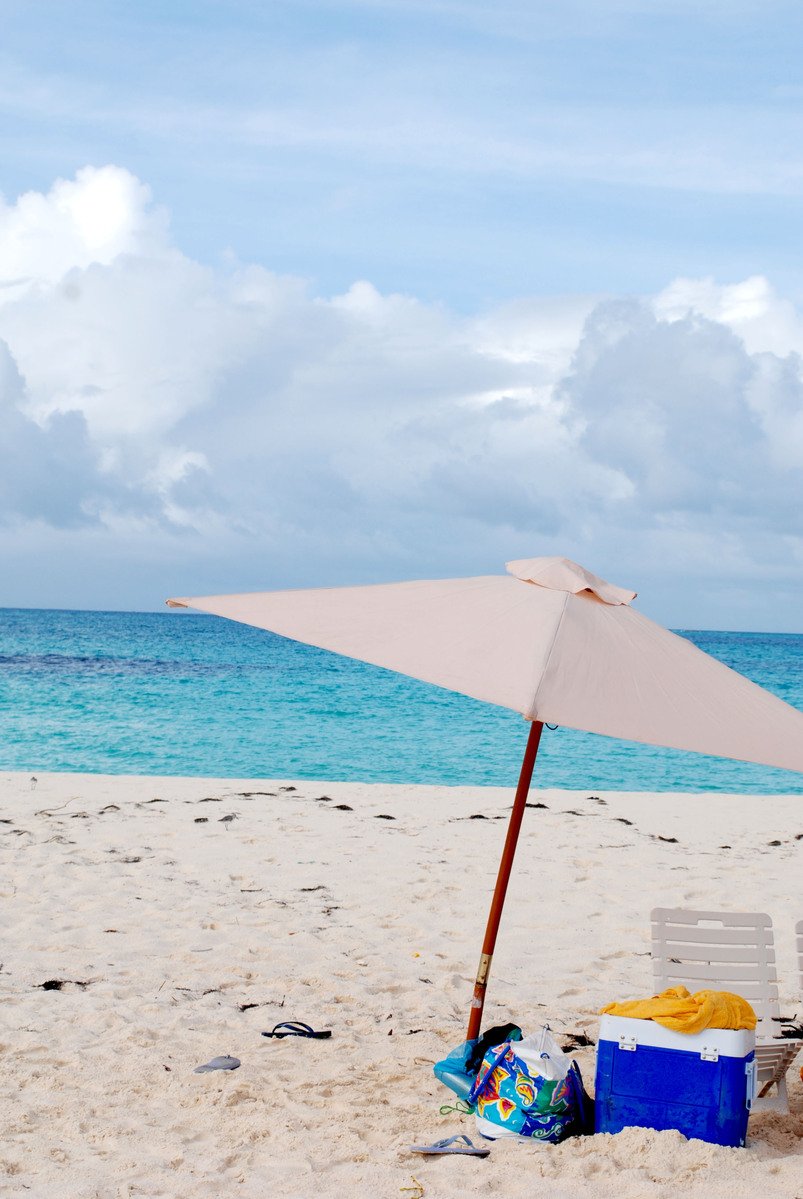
(543, 1055)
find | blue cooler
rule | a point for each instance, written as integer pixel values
(702, 1084)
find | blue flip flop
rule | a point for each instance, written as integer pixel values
(451, 1145)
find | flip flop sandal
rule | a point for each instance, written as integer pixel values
(451, 1145)
(293, 1028)
(218, 1063)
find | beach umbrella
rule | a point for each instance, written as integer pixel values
(549, 640)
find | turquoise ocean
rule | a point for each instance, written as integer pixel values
(187, 694)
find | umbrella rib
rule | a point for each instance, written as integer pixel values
(533, 713)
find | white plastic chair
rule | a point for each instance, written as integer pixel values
(730, 951)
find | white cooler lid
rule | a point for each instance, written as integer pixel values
(729, 1041)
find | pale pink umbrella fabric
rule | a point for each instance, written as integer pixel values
(549, 640)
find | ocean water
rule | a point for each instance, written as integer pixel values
(188, 694)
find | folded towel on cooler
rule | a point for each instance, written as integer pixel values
(681, 1011)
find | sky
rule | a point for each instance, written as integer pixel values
(318, 292)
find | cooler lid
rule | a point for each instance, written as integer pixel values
(728, 1042)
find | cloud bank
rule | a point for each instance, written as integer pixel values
(167, 426)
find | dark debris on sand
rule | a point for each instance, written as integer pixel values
(55, 984)
(246, 1007)
(576, 1040)
(477, 816)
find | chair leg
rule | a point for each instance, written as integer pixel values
(779, 1102)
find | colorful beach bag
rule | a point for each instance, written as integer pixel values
(529, 1089)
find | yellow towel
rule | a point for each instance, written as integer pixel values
(682, 1012)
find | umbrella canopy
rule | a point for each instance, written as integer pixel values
(549, 640)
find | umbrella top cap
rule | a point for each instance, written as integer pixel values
(561, 574)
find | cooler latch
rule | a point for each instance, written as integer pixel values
(709, 1053)
(627, 1042)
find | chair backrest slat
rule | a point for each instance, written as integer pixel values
(707, 935)
(714, 953)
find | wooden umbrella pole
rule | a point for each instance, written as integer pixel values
(498, 901)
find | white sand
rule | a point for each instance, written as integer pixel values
(369, 927)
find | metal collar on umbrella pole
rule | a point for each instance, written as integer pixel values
(505, 865)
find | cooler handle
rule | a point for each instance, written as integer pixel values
(750, 1092)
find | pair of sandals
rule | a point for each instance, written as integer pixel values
(288, 1028)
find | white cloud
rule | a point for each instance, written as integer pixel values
(751, 308)
(696, 422)
(49, 471)
(251, 433)
(94, 218)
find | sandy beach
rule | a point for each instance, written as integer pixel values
(178, 918)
